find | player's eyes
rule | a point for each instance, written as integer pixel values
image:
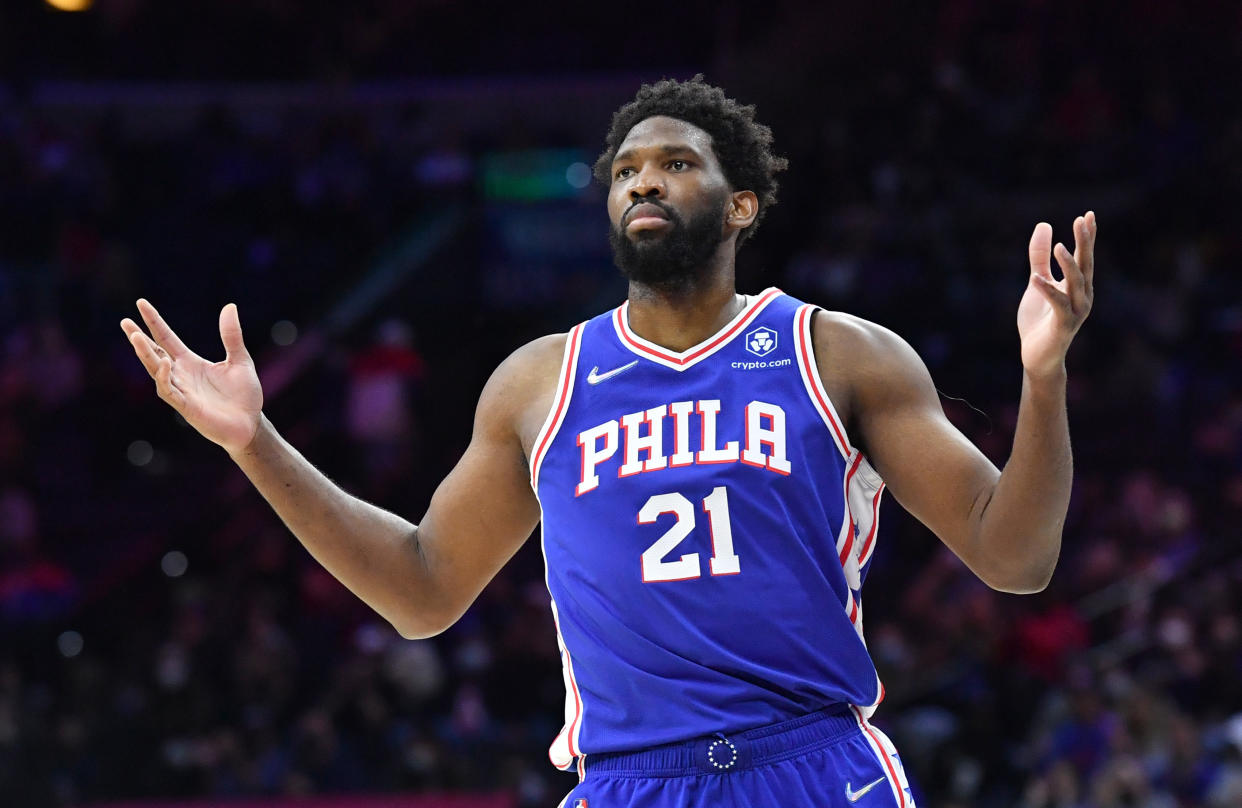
(672, 165)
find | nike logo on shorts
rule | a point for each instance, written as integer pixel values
(855, 796)
(595, 377)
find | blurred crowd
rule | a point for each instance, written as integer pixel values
(164, 636)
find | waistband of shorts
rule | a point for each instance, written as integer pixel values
(720, 753)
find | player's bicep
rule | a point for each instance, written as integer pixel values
(931, 468)
(485, 508)
(478, 518)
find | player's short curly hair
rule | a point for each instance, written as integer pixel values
(742, 145)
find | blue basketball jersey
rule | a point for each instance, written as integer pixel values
(707, 527)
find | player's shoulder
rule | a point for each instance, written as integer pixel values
(522, 387)
(863, 363)
(531, 367)
(840, 337)
(541, 349)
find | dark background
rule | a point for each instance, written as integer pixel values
(388, 190)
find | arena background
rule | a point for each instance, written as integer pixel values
(395, 194)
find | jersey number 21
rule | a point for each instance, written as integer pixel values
(723, 561)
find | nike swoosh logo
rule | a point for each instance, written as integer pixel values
(595, 377)
(855, 796)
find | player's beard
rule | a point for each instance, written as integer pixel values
(673, 259)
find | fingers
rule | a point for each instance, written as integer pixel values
(1054, 295)
(1084, 250)
(231, 334)
(150, 354)
(130, 327)
(160, 332)
(1078, 269)
(1075, 286)
(1041, 251)
(157, 363)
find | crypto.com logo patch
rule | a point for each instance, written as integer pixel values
(761, 341)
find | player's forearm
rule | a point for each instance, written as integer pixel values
(1020, 528)
(371, 551)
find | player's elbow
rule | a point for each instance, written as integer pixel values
(425, 608)
(419, 634)
(1016, 562)
(1028, 587)
(428, 616)
(421, 627)
(1027, 580)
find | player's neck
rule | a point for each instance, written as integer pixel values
(682, 318)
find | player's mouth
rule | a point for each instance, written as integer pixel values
(646, 216)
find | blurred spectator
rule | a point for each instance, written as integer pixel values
(33, 586)
(380, 406)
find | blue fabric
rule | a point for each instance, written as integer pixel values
(821, 760)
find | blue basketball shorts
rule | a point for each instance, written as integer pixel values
(829, 759)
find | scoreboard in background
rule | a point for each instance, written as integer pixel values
(546, 229)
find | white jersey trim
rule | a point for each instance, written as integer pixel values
(883, 748)
(564, 750)
(805, 349)
(697, 353)
(856, 540)
(560, 403)
(865, 499)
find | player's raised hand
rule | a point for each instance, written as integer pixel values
(1052, 310)
(222, 400)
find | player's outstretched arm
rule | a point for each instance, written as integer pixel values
(419, 578)
(1006, 526)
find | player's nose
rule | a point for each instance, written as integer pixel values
(647, 184)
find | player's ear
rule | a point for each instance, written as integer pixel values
(743, 208)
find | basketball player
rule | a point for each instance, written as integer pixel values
(708, 469)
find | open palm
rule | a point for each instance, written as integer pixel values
(1051, 310)
(222, 400)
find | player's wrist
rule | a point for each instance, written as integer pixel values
(1051, 379)
(264, 433)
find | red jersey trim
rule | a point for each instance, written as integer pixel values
(560, 403)
(814, 385)
(697, 353)
(874, 742)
